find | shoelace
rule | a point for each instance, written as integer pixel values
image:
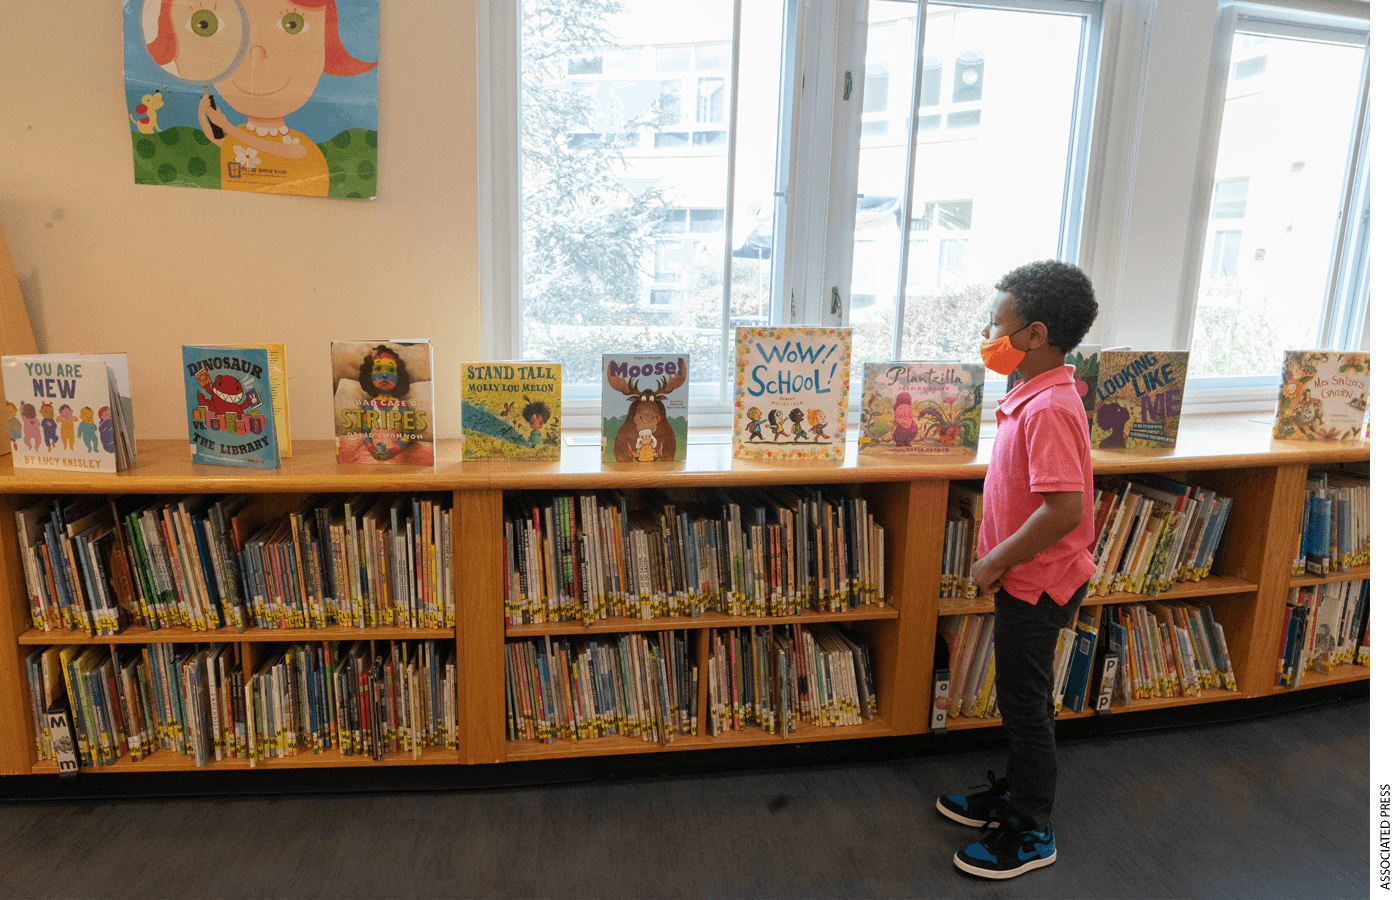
(1005, 832)
(991, 784)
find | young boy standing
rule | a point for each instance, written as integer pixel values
(1033, 553)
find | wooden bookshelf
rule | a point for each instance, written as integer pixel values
(1232, 453)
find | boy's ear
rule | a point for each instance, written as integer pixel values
(1040, 335)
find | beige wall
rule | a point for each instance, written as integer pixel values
(105, 264)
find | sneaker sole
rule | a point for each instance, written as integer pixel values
(960, 818)
(970, 869)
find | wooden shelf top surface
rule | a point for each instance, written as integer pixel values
(749, 736)
(1181, 590)
(136, 634)
(1216, 441)
(705, 620)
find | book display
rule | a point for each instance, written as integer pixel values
(1324, 395)
(56, 402)
(791, 389)
(234, 418)
(511, 410)
(920, 407)
(1137, 401)
(320, 615)
(383, 402)
(645, 402)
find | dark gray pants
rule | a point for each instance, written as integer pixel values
(1025, 675)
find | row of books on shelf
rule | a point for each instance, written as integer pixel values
(776, 551)
(646, 685)
(1149, 533)
(1328, 625)
(1334, 530)
(1112, 655)
(358, 699)
(205, 563)
(791, 386)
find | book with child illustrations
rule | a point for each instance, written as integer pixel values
(383, 402)
(67, 412)
(646, 398)
(920, 407)
(791, 387)
(1137, 402)
(510, 410)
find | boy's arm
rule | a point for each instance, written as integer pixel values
(1059, 513)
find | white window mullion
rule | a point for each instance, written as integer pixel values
(498, 178)
(822, 181)
(911, 154)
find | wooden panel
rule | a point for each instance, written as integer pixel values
(16, 723)
(479, 576)
(913, 515)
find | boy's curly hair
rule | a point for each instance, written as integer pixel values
(1056, 293)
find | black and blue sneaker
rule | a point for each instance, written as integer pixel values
(1008, 851)
(978, 809)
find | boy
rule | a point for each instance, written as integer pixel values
(1033, 552)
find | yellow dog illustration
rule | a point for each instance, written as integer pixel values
(146, 111)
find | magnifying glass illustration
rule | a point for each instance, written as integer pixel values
(197, 46)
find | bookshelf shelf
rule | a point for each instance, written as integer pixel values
(180, 635)
(170, 761)
(1355, 574)
(1139, 705)
(1339, 675)
(704, 620)
(1232, 453)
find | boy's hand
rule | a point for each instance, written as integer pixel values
(987, 572)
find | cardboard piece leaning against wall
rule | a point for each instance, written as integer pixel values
(16, 335)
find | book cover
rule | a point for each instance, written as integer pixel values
(646, 398)
(920, 407)
(791, 387)
(1323, 395)
(1137, 402)
(228, 394)
(58, 405)
(383, 402)
(511, 410)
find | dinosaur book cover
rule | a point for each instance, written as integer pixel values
(1137, 401)
(383, 402)
(510, 410)
(1323, 395)
(920, 407)
(254, 95)
(62, 412)
(228, 396)
(791, 387)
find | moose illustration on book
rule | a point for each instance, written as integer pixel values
(647, 431)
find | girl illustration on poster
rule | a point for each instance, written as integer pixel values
(232, 74)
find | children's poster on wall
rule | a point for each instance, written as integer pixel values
(1323, 395)
(791, 387)
(646, 398)
(1138, 399)
(383, 402)
(254, 95)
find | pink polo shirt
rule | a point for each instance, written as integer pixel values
(1041, 446)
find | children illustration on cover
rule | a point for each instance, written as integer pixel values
(1322, 396)
(510, 410)
(921, 407)
(383, 402)
(790, 392)
(645, 400)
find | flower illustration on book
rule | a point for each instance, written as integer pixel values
(246, 157)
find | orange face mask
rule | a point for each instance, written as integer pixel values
(1000, 356)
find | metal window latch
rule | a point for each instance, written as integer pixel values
(847, 94)
(835, 302)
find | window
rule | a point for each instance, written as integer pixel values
(627, 201)
(929, 272)
(1288, 156)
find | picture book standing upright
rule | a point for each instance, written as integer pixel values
(646, 397)
(791, 387)
(510, 410)
(920, 407)
(68, 412)
(383, 399)
(228, 394)
(1138, 399)
(1323, 395)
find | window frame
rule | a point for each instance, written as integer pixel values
(1344, 312)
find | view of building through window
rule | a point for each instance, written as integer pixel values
(625, 167)
(1279, 175)
(984, 198)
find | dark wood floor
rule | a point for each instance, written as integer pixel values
(1268, 807)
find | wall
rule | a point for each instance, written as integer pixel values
(106, 264)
